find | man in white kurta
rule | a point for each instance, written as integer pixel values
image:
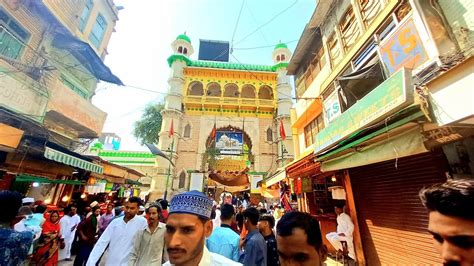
(345, 230)
(68, 225)
(119, 236)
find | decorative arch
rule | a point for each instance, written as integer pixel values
(269, 134)
(187, 131)
(265, 92)
(185, 50)
(231, 90)
(180, 49)
(182, 180)
(248, 91)
(214, 89)
(196, 88)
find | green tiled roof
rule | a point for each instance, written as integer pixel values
(224, 65)
(126, 154)
(175, 57)
(183, 37)
(228, 65)
(281, 45)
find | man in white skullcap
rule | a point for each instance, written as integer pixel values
(30, 202)
(188, 225)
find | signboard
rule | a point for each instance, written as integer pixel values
(332, 108)
(254, 179)
(403, 48)
(228, 142)
(197, 181)
(20, 96)
(392, 95)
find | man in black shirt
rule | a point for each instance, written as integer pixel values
(265, 225)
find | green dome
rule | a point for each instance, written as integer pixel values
(183, 37)
(281, 45)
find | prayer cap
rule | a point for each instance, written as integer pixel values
(192, 202)
(27, 200)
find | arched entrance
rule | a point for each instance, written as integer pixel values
(228, 156)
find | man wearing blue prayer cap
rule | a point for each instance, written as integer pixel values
(188, 225)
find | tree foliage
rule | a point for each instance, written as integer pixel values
(146, 129)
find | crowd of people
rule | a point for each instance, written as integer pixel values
(192, 229)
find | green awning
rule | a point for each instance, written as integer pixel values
(410, 142)
(132, 182)
(64, 158)
(277, 177)
(40, 179)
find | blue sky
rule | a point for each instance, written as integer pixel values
(141, 44)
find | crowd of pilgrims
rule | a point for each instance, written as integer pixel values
(136, 234)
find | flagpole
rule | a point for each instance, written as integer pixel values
(169, 168)
(171, 134)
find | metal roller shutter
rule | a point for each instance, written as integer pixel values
(393, 223)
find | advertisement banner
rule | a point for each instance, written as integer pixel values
(332, 108)
(254, 179)
(229, 143)
(403, 48)
(389, 97)
(197, 182)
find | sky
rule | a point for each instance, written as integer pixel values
(146, 28)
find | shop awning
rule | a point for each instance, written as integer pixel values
(132, 182)
(409, 142)
(40, 179)
(67, 159)
(277, 177)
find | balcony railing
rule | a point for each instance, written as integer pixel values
(204, 100)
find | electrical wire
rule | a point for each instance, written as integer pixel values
(236, 24)
(268, 22)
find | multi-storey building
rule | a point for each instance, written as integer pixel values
(51, 58)
(221, 122)
(385, 108)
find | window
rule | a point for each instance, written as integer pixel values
(334, 50)
(349, 29)
(12, 36)
(269, 135)
(98, 31)
(369, 10)
(74, 87)
(187, 131)
(182, 180)
(312, 129)
(85, 15)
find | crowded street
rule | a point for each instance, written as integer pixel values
(245, 132)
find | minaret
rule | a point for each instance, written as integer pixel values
(281, 56)
(172, 113)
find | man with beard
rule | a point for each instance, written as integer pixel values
(149, 243)
(119, 236)
(68, 224)
(187, 227)
(451, 220)
(87, 231)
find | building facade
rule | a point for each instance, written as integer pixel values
(221, 121)
(51, 59)
(385, 109)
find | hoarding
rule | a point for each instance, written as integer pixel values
(389, 97)
(332, 108)
(230, 143)
(403, 48)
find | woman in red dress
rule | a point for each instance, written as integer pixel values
(50, 240)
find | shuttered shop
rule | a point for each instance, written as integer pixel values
(392, 221)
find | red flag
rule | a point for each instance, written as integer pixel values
(282, 130)
(213, 132)
(171, 133)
